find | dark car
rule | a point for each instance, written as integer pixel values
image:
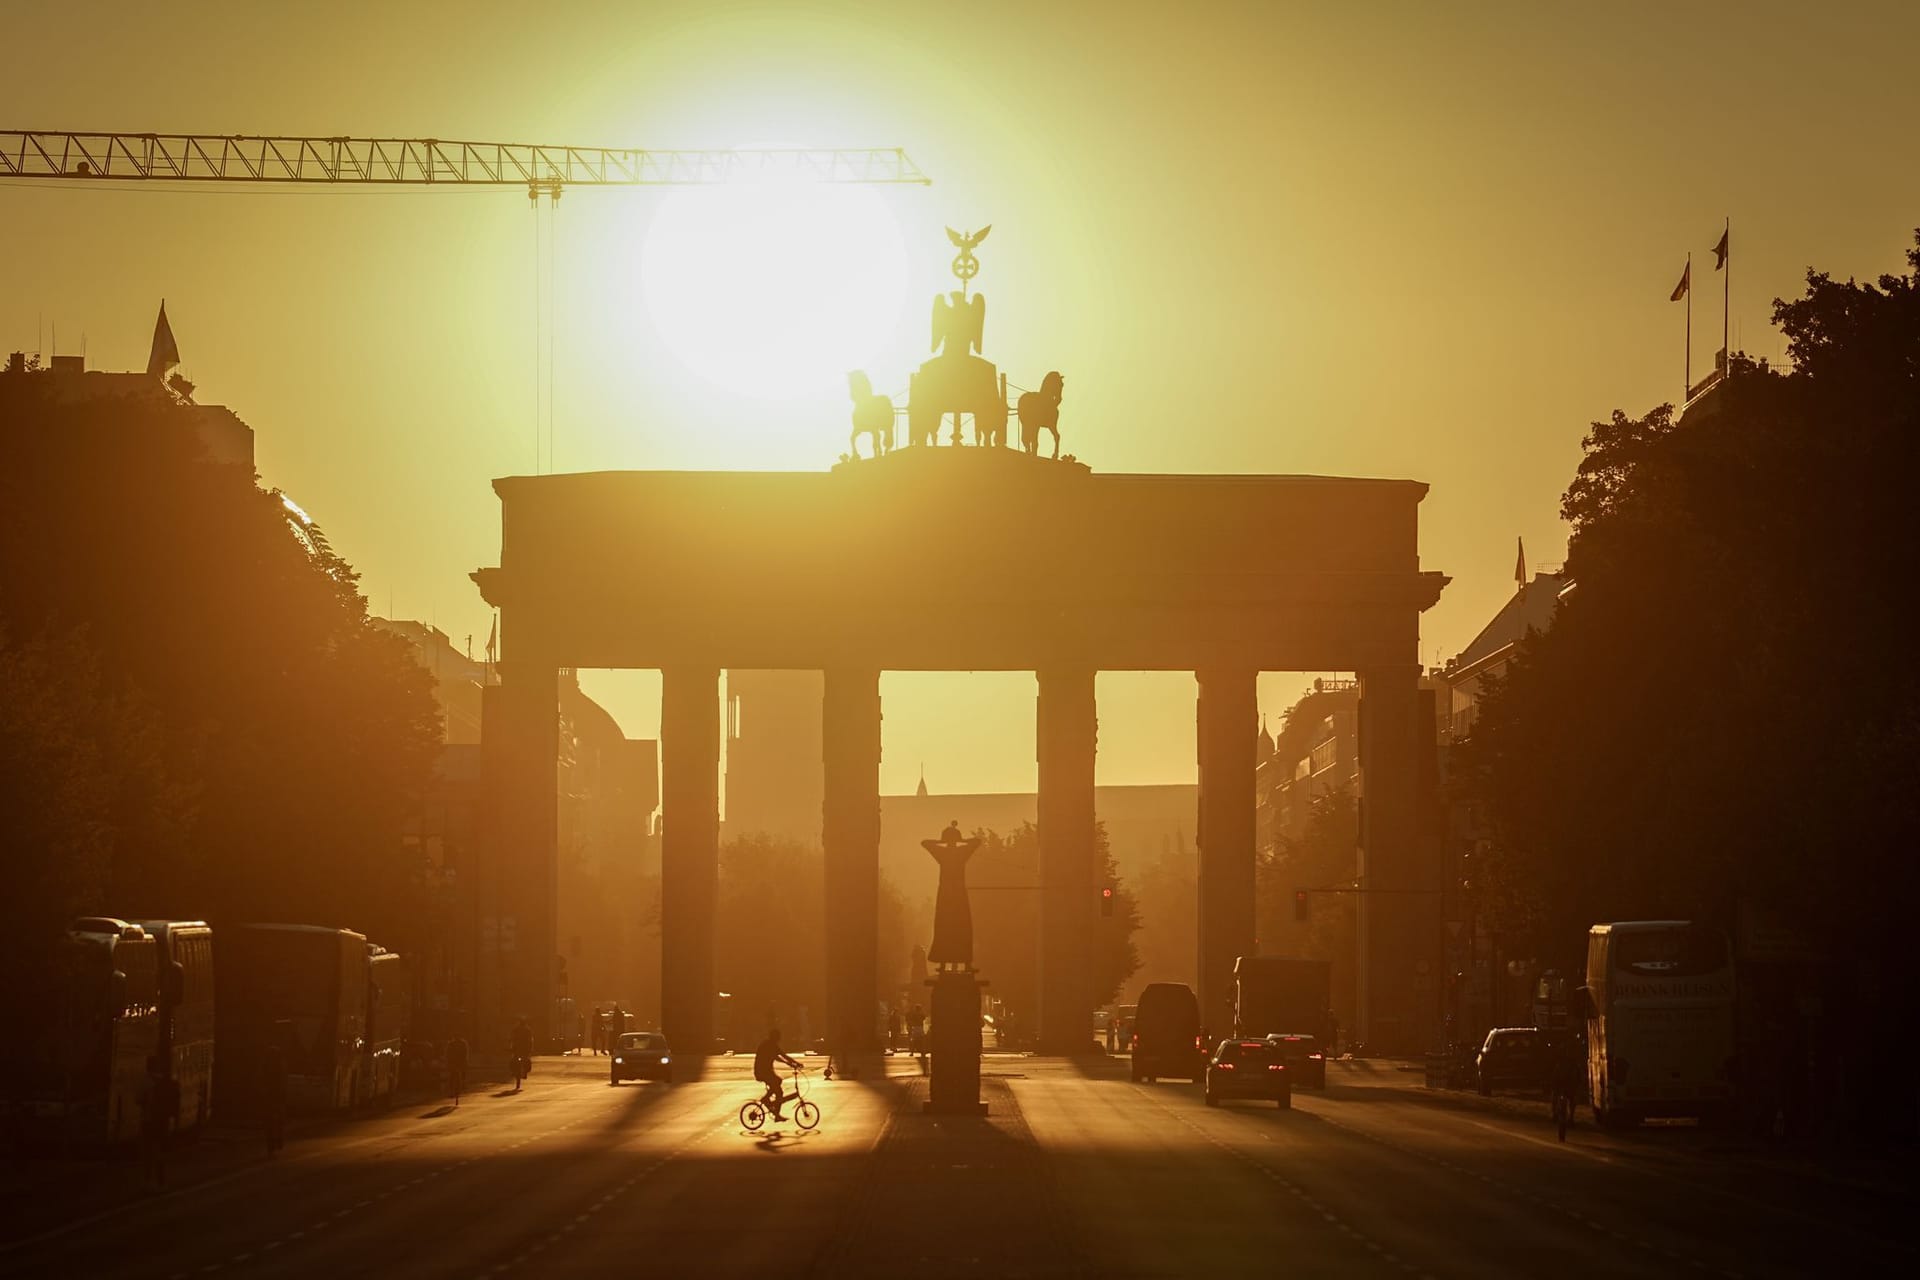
(1306, 1063)
(1248, 1069)
(1167, 1040)
(640, 1055)
(1510, 1058)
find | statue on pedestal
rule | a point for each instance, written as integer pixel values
(952, 913)
(954, 1087)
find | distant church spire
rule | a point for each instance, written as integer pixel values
(922, 789)
(165, 353)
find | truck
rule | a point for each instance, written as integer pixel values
(1282, 995)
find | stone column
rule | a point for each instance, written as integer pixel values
(1228, 719)
(1066, 730)
(689, 853)
(850, 723)
(518, 889)
(1399, 979)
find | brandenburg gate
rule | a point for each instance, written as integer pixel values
(969, 559)
(973, 557)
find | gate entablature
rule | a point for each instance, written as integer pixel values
(960, 559)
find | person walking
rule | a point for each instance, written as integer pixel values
(456, 1056)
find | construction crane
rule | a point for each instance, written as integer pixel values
(104, 159)
(61, 156)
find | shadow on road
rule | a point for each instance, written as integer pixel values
(446, 1109)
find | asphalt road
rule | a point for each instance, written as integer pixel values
(1075, 1172)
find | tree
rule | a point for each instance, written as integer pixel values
(1726, 707)
(770, 953)
(1322, 858)
(1169, 937)
(256, 740)
(1004, 875)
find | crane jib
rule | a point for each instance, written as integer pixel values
(179, 157)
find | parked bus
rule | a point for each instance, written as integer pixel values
(78, 1073)
(186, 1013)
(303, 990)
(1660, 1033)
(389, 1003)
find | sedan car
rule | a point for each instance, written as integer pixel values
(1306, 1064)
(1511, 1056)
(640, 1055)
(1248, 1069)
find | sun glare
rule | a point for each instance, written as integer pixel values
(774, 290)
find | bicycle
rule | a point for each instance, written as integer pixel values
(754, 1111)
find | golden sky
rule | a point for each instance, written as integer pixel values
(1415, 240)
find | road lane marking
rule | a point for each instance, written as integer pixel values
(1300, 1194)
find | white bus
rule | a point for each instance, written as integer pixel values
(1659, 1008)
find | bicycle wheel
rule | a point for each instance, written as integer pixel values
(752, 1114)
(806, 1115)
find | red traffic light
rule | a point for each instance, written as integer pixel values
(1107, 891)
(1300, 904)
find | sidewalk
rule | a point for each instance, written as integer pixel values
(50, 1192)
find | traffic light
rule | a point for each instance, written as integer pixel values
(1106, 900)
(1301, 908)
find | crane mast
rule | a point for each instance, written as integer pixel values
(61, 156)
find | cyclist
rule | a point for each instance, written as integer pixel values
(767, 1074)
(522, 1048)
(456, 1055)
(1566, 1080)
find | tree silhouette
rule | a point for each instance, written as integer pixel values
(254, 743)
(1726, 708)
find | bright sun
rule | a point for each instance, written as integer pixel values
(774, 290)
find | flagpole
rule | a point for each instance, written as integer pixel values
(1686, 380)
(1726, 296)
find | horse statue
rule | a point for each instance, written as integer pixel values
(872, 416)
(1040, 411)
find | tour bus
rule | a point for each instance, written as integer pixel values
(389, 1001)
(78, 1074)
(299, 988)
(1660, 1034)
(185, 950)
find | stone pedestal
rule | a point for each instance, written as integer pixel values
(955, 1086)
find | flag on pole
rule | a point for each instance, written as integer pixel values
(165, 355)
(1720, 250)
(1680, 290)
(1520, 564)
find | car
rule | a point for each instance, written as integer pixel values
(1249, 1069)
(640, 1055)
(1510, 1057)
(1306, 1064)
(1167, 1038)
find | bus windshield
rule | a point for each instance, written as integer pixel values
(1669, 953)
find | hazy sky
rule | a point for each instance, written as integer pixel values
(1394, 239)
